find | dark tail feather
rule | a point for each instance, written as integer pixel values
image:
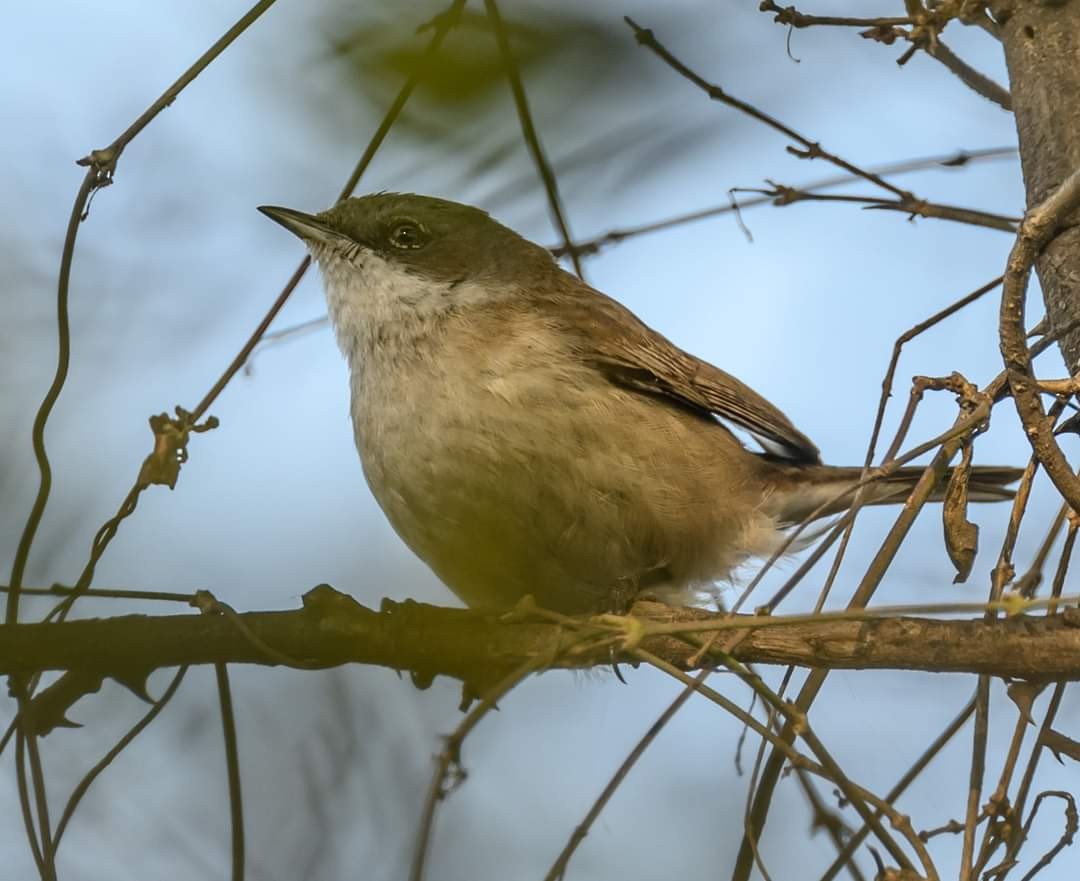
(799, 490)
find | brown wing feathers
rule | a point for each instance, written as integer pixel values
(633, 355)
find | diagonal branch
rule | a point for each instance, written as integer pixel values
(1039, 226)
(809, 149)
(528, 130)
(975, 80)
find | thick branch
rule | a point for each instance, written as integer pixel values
(333, 629)
(1042, 43)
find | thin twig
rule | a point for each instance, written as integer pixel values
(26, 803)
(822, 816)
(442, 25)
(906, 337)
(796, 721)
(449, 758)
(975, 776)
(816, 679)
(952, 160)
(232, 768)
(959, 159)
(112, 593)
(940, 742)
(1020, 800)
(783, 195)
(101, 166)
(558, 868)
(804, 568)
(106, 760)
(1028, 583)
(997, 805)
(1072, 824)
(922, 29)
(791, 16)
(810, 149)
(63, 358)
(975, 80)
(37, 780)
(528, 130)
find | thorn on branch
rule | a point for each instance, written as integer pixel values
(47, 710)
(136, 680)
(1060, 745)
(812, 151)
(644, 36)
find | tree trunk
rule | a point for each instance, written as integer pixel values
(1042, 49)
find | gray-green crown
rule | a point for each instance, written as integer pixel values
(451, 242)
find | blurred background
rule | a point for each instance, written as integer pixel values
(174, 268)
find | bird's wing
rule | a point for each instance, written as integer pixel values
(634, 356)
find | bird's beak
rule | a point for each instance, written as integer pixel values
(307, 226)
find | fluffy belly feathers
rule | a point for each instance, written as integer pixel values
(579, 514)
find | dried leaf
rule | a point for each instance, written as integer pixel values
(961, 535)
(171, 434)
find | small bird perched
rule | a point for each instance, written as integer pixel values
(526, 434)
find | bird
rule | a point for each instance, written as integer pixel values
(527, 435)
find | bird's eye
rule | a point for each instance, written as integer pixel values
(408, 235)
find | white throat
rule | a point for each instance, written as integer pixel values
(376, 304)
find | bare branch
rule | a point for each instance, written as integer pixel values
(528, 130)
(333, 629)
(791, 16)
(783, 195)
(1038, 227)
(558, 868)
(922, 29)
(978, 82)
(101, 165)
(809, 149)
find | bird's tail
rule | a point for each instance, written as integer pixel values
(801, 491)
